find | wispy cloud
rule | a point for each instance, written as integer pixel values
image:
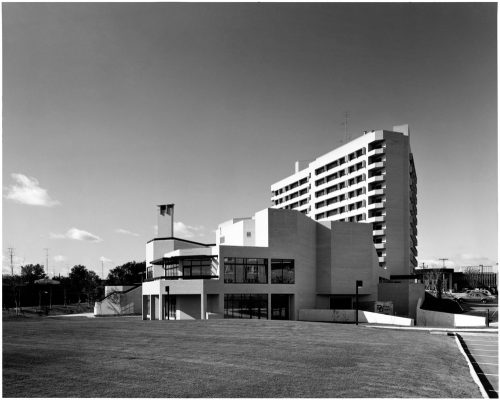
(60, 258)
(126, 232)
(26, 190)
(436, 263)
(182, 230)
(76, 234)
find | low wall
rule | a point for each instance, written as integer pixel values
(211, 315)
(350, 316)
(448, 320)
(118, 303)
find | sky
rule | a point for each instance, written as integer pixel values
(110, 109)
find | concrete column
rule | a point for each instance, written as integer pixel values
(162, 307)
(144, 310)
(203, 305)
(221, 304)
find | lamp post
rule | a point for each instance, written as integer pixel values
(358, 285)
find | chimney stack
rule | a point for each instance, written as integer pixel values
(165, 220)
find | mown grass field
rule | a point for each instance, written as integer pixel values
(128, 357)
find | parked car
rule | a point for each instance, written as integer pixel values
(474, 296)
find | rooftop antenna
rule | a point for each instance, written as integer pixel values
(443, 260)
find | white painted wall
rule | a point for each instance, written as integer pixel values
(119, 303)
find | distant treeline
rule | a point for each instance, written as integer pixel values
(80, 286)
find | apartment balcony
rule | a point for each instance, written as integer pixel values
(376, 151)
(376, 178)
(380, 204)
(379, 232)
(379, 164)
(381, 259)
(376, 192)
(380, 218)
(379, 246)
(414, 251)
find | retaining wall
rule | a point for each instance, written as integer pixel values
(447, 320)
(120, 303)
(350, 316)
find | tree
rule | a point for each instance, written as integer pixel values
(127, 274)
(84, 282)
(12, 285)
(472, 275)
(30, 273)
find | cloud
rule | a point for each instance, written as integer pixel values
(26, 190)
(60, 258)
(186, 231)
(126, 232)
(104, 259)
(436, 263)
(76, 234)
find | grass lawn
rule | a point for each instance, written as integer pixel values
(128, 357)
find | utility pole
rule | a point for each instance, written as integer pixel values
(442, 274)
(47, 261)
(11, 253)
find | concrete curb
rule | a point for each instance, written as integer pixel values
(473, 373)
(430, 328)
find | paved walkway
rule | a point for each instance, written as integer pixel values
(482, 351)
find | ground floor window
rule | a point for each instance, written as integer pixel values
(340, 302)
(245, 306)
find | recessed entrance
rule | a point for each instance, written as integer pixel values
(280, 306)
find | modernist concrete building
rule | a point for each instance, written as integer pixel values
(370, 179)
(268, 266)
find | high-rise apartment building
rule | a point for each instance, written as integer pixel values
(370, 179)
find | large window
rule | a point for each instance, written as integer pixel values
(245, 270)
(245, 306)
(200, 267)
(282, 271)
(188, 268)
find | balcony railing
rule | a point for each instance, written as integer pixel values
(181, 277)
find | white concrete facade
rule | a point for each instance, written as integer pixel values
(370, 179)
(268, 266)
